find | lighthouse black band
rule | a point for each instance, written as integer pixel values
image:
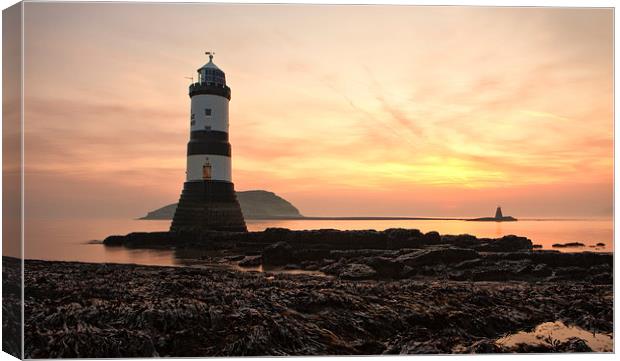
(203, 88)
(207, 191)
(213, 135)
(208, 147)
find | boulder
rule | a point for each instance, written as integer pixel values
(275, 234)
(604, 278)
(251, 261)
(402, 233)
(582, 259)
(461, 240)
(385, 267)
(357, 271)
(401, 238)
(278, 254)
(114, 240)
(494, 275)
(509, 243)
(142, 239)
(539, 270)
(570, 244)
(437, 256)
(432, 237)
(309, 254)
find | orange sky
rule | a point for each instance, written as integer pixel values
(343, 110)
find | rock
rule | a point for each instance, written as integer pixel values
(399, 243)
(570, 244)
(402, 233)
(357, 271)
(114, 240)
(234, 258)
(571, 273)
(485, 346)
(494, 275)
(371, 347)
(437, 256)
(403, 238)
(356, 253)
(312, 254)
(461, 240)
(251, 261)
(278, 254)
(332, 267)
(536, 246)
(142, 240)
(510, 243)
(385, 267)
(582, 259)
(604, 278)
(432, 237)
(600, 244)
(119, 310)
(541, 270)
(470, 263)
(573, 344)
(310, 266)
(276, 234)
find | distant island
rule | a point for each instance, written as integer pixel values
(262, 204)
(255, 204)
(499, 217)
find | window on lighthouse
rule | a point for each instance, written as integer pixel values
(206, 170)
(208, 112)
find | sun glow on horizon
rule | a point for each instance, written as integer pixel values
(439, 110)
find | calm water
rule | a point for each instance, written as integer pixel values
(67, 240)
(548, 331)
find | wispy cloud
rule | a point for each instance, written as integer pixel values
(383, 110)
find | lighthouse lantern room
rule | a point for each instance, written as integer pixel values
(208, 200)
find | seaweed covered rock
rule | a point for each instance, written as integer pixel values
(111, 310)
(357, 271)
(251, 261)
(386, 267)
(437, 256)
(509, 243)
(278, 254)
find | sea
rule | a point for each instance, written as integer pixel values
(80, 239)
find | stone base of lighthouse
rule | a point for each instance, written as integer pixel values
(208, 205)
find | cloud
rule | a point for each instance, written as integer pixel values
(436, 108)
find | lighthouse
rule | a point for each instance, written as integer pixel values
(208, 200)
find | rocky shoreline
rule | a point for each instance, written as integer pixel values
(391, 292)
(389, 254)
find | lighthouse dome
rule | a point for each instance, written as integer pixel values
(210, 74)
(210, 65)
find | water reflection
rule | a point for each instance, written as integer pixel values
(217, 259)
(549, 332)
(72, 240)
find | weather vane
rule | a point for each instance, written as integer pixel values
(210, 53)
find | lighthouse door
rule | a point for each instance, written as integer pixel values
(206, 171)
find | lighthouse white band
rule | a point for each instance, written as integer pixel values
(216, 105)
(220, 167)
